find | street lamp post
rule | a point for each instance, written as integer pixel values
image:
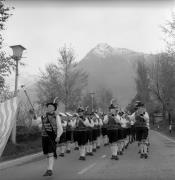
(92, 98)
(17, 55)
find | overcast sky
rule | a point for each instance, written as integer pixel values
(44, 27)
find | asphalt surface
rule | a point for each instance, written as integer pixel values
(160, 164)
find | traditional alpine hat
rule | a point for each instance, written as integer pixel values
(112, 106)
(52, 104)
(80, 109)
(139, 104)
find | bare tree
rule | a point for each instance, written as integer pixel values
(169, 32)
(142, 81)
(6, 63)
(104, 98)
(63, 80)
(162, 80)
(73, 79)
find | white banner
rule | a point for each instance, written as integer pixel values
(8, 111)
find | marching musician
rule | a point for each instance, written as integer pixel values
(100, 124)
(63, 140)
(104, 131)
(141, 118)
(81, 132)
(50, 123)
(94, 132)
(74, 123)
(112, 130)
(89, 135)
(120, 132)
(69, 131)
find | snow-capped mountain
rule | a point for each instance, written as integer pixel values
(102, 50)
(114, 68)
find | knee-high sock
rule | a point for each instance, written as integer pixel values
(125, 142)
(112, 149)
(105, 139)
(94, 145)
(83, 151)
(141, 148)
(50, 162)
(115, 149)
(145, 150)
(90, 147)
(120, 146)
(98, 141)
(87, 148)
(68, 146)
(76, 144)
(63, 147)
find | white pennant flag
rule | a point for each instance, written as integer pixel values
(8, 111)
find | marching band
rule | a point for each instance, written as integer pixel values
(89, 131)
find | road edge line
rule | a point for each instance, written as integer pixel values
(18, 161)
(86, 169)
(165, 136)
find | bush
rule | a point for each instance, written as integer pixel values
(27, 134)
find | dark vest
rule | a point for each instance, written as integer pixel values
(112, 124)
(49, 122)
(80, 125)
(140, 121)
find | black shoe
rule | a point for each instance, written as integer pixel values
(112, 157)
(141, 156)
(94, 150)
(83, 158)
(116, 158)
(98, 147)
(68, 151)
(145, 156)
(88, 154)
(48, 173)
(121, 153)
(91, 154)
(61, 155)
(76, 148)
(80, 158)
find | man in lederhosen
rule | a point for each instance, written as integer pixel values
(63, 140)
(100, 123)
(69, 132)
(104, 131)
(81, 133)
(120, 132)
(94, 132)
(50, 123)
(142, 127)
(74, 123)
(112, 130)
(133, 134)
(89, 135)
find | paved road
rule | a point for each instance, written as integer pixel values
(159, 166)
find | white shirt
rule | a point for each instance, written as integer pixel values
(145, 116)
(100, 122)
(105, 120)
